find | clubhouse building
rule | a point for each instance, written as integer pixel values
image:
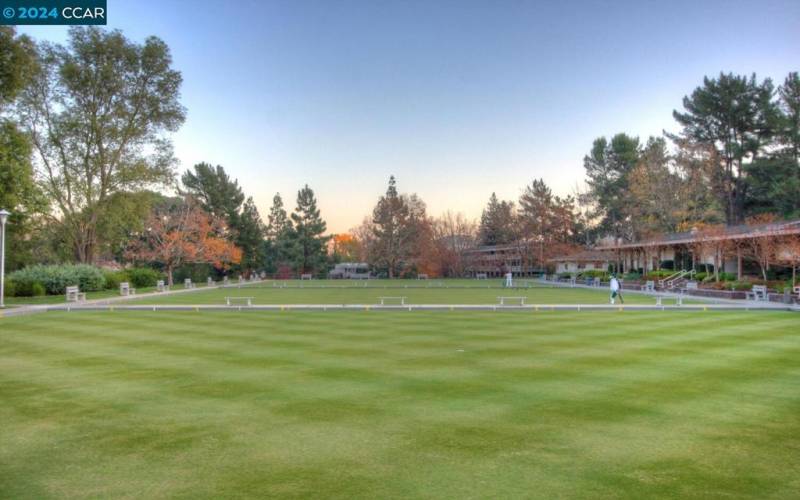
(729, 248)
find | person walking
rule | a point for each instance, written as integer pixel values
(615, 289)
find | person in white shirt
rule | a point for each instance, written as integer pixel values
(614, 289)
(509, 280)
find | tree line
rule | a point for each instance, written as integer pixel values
(86, 155)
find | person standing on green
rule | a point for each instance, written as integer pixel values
(614, 285)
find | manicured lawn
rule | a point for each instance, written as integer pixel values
(401, 405)
(335, 292)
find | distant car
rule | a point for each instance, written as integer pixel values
(350, 270)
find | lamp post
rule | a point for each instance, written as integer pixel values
(3, 217)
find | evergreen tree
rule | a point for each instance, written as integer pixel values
(277, 248)
(308, 248)
(736, 116)
(221, 196)
(608, 167)
(213, 188)
(250, 235)
(390, 231)
(547, 222)
(498, 223)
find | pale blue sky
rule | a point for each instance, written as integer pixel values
(455, 98)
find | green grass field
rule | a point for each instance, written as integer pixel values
(400, 405)
(416, 292)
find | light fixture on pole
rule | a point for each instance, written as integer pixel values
(3, 218)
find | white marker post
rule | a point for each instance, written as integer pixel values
(3, 218)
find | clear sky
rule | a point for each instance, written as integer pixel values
(455, 98)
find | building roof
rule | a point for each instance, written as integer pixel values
(585, 256)
(742, 231)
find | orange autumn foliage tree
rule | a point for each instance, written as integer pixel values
(183, 233)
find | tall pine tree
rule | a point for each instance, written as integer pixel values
(308, 250)
(498, 222)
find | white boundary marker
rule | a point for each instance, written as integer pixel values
(533, 308)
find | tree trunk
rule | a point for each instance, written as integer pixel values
(738, 263)
(169, 276)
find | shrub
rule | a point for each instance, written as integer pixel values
(143, 277)
(37, 290)
(114, 278)
(632, 276)
(701, 276)
(594, 273)
(727, 276)
(56, 278)
(8, 288)
(739, 285)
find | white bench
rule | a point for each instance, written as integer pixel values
(422, 276)
(241, 279)
(481, 276)
(225, 281)
(248, 300)
(306, 276)
(384, 299)
(125, 289)
(161, 287)
(797, 291)
(504, 299)
(187, 283)
(690, 285)
(74, 294)
(649, 286)
(209, 281)
(758, 293)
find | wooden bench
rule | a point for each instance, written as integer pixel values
(649, 286)
(125, 289)
(306, 277)
(384, 299)
(504, 299)
(248, 300)
(481, 276)
(161, 287)
(74, 294)
(758, 293)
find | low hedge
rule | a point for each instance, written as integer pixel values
(54, 279)
(143, 277)
(114, 278)
(593, 273)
